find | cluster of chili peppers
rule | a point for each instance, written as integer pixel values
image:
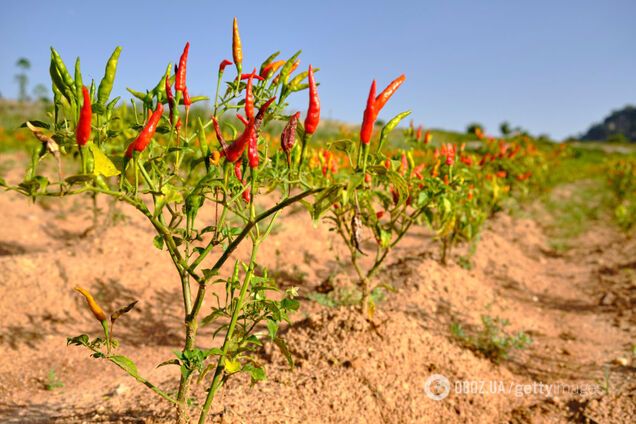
(375, 105)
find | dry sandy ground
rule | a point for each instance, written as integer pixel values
(577, 307)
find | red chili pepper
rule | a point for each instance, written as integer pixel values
(238, 172)
(239, 175)
(386, 94)
(379, 214)
(368, 118)
(418, 135)
(387, 163)
(427, 137)
(252, 75)
(219, 135)
(223, 64)
(501, 174)
(186, 98)
(288, 136)
(368, 178)
(242, 119)
(180, 77)
(144, 137)
(83, 131)
(252, 149)
(234, 151)
(313, 112)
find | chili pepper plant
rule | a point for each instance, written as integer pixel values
(169, 173)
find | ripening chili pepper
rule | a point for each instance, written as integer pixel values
(313, 112)
(386, 94)
(379, 214)
(501, 174)
(97, 311)
(144, 137)
(83, 132)
(171, 103)
(466, 160)
(395, 195)
(387, 163)
(418, 135)
(249, 96)
(368, 117)
(368, 178)
(216, 157)
(237, 49)
(427, 137)
(180, 76)
(271, 68)
(404, 164)
(446, 179)
(223, 64)
(288, 136)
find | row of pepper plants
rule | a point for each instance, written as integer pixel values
(157, 157)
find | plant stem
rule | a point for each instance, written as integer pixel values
(216, 381)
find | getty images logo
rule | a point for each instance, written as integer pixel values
(437, 387)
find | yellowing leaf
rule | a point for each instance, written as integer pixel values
(103, 165)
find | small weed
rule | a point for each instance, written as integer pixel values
(345, 296)
(53, 381)
(492, 341)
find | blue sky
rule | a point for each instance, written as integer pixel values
(550, 66)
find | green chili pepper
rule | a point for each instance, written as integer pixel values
(390, 126)
(287, 67)
(106, 84)
(160, 89)
(78, 80)
(58, 82)
(61, 67)
(91, 90)
(299, 78)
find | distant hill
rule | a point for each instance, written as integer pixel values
(620, 125)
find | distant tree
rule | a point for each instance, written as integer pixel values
(505, 129)
(23, 80)
(475, 128)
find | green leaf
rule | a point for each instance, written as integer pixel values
(256, 373)
(126, 364)
(36, 123)
(290, 304)
(272, 328)
(103, 165)
(169, 362)
(80, 178)
(158, 241)
(81, 340)
(284, 350)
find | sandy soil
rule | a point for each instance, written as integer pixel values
(578, 308)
